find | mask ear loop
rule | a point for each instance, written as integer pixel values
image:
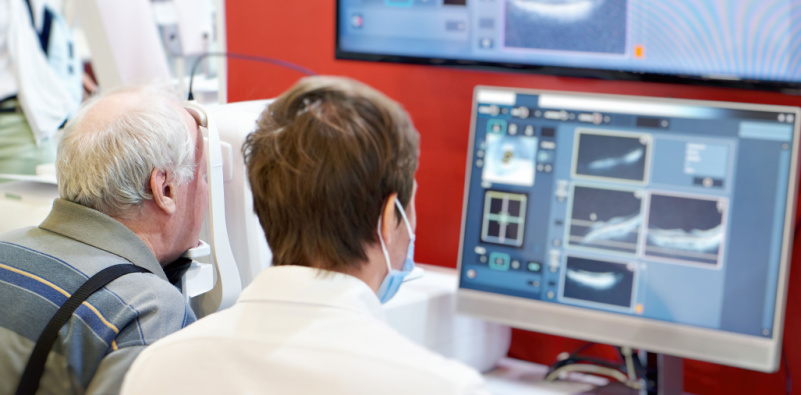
(381, 239)
(405, 219)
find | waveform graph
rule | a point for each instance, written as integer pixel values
(595, 282)
(605, 219)
(686, 229)
(612, 156)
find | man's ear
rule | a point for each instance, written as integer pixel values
(388, 218)
(164, 192)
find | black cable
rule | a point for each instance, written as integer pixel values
(788, 377)
(580, 349)
(592, 360)
(639, 369)
(574, 357)
(797, 226)
(263, 59)
(638, 366)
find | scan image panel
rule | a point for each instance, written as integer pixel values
(510, 160)
(612, 156)
(608, 219)
(595, 281)
(504, 218)
(686, 229)
(597, 26)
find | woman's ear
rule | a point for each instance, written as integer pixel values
(388, 218)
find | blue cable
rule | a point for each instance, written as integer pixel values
(263, 59)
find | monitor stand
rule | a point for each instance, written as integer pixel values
(668, 377)
(665, 376)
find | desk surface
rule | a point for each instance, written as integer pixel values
(515, 377)
(510, 376)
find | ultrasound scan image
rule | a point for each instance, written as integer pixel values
(610, 156)
(567, 25)
(606, 219)
(685, 229)
(599, 281)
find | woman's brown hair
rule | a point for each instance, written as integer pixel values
(323, 160)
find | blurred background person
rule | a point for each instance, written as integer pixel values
(41, 83)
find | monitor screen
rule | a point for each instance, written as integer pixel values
(660, 224)
(746, 43)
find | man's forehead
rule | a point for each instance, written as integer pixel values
(197, 134)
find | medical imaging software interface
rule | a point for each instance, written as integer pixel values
(719, 39)
(667, 210)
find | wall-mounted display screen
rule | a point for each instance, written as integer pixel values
(656, 223)
(746, 43)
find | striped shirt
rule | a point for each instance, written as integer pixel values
(41, 267)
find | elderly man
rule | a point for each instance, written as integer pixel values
(331, 166)
(131, 176)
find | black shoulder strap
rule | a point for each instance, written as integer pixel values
(29, 383)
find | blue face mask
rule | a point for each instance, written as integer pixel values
(394, 279)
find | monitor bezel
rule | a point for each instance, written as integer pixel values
(789, 88)
(717, 346)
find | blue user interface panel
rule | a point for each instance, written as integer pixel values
(662, 209)
(715, 39)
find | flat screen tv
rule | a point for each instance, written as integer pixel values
(742, 43)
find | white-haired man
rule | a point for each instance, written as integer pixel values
(131, 177)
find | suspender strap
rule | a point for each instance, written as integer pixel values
(44, 35)
(30, 11)
(29, 383)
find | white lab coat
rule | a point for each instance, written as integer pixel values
(297, 330)
(25, 72)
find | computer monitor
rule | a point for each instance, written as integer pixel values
(661, 224)
(747, 43)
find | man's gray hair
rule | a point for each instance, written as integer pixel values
(108, 168)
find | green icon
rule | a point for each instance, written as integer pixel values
(499, 261)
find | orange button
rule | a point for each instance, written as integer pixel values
(639, 51)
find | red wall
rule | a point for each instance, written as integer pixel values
(439, 101)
